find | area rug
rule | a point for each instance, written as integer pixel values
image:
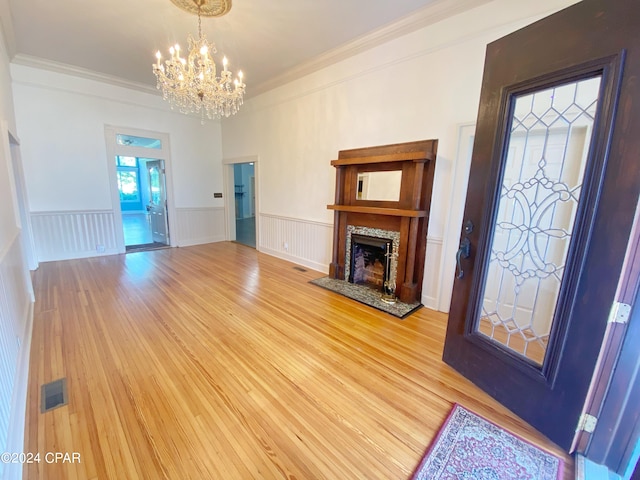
(468, 447)
(367, 296)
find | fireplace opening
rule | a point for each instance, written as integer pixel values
(370, 261)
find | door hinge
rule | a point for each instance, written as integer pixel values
(587, 423)
(619, 313)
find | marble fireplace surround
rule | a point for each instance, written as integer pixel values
(376, 233)
(406, 218)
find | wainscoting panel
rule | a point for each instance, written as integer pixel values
(303, 242)
(432, 276)
(15, 298)
(66, 235)
(200, 225)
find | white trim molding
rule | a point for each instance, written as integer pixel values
(66, 69)
(16, 320)
(434, 12)
(458, 196)
(304, 242)
(431, 285)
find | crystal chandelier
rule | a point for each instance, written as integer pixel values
(191, 83)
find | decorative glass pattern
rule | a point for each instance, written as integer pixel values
(155, 186)
(133, 141)
(547, 152)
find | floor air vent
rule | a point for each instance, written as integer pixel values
(53, 395)
(300, 269)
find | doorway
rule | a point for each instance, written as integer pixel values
(28, 245)
(244, 181)
(140, 185)
(142, 189)
(242, 207)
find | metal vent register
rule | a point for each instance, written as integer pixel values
(53, 395)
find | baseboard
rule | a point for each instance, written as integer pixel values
(430, 302)
(15, 436)
(77, 255)
(201, 241)
(300, 261)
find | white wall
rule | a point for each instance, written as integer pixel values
(15, 283)
(420, 86)
(62, 122)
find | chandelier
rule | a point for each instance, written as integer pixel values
(190, 82)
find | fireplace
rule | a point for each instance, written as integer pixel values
(370, 262)
(398, 216)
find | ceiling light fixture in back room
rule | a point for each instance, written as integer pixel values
(191, 83)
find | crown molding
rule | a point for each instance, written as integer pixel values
(64, 68)
(436, 11)
(8, 34)
(432, 13)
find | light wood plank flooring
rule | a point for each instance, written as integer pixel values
(218, 362)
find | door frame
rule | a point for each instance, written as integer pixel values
(163, 153)
(458, 195)
(229, 193)
(19, 189)
(616, 380)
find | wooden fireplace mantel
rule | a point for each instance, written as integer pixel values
(409, 215)
(378, 211)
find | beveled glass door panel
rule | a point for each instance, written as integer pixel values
(547, 151)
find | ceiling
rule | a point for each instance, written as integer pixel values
(269, 40)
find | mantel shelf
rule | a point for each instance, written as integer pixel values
(396, 212)
(422, 156)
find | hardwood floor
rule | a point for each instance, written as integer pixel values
(218, 362)
(137, 229)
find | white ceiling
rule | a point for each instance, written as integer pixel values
(264, 38)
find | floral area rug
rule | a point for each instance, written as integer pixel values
(468, 447)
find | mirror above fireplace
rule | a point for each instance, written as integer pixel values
(379, 186)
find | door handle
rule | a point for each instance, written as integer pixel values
(463, 252)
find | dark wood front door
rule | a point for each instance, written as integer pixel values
(553, 187)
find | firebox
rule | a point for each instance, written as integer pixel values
(370, 260)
